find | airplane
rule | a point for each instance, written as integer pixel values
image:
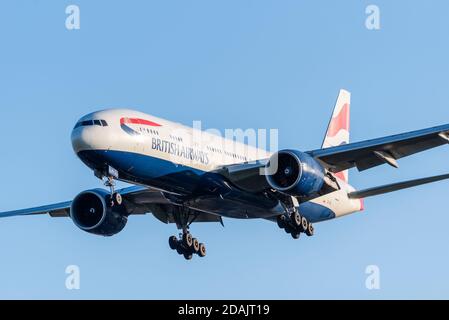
(182, 175)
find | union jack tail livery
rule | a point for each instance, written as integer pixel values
(338, 130)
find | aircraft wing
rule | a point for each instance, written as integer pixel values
(132, 195)
(57, 210)
(136, 199)
(363, 155)
(371, 153)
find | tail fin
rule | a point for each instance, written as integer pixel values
(338, 130)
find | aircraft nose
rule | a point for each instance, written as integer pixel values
(81, 139)
(91, 133)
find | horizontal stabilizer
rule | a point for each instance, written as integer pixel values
(395, 187)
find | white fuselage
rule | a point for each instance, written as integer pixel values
(127, 133)
(219, 151)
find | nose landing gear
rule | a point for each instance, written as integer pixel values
(116, 198)
(109, 177)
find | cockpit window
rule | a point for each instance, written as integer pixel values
(86, 123)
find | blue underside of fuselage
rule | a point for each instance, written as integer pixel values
(211, 191)
(142, 169)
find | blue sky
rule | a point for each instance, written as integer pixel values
(230, 64)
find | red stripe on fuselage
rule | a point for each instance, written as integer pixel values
(340, 122)
(139, 121)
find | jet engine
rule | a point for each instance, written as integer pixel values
(92, 212)
(295, 173)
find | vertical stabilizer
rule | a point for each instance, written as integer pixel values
(338, 130)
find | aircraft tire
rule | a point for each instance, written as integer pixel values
(180, 249)
(310, 230)
(202, 251)
(195, 245)
(304, 224)
(296, 219)
(117, 198)
(187, 240)
(281, 221)
(295, 235)
(188, 256)
(289, 229)
(173, 242)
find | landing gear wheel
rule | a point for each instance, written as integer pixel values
(117, 198)
(180, 249)
(188, 256)
(304, 224)
(289, 229)
(296, 219)
(173, 242)
(295, 235)
(281, 221)
(310, 230)
(202, 250)
(187, 240)
(195, 245)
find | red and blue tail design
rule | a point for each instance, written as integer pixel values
(338, 129)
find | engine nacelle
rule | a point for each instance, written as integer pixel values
(297, 174)
(92, 212)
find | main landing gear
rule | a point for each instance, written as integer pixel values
(295, 224)
(186, 245)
